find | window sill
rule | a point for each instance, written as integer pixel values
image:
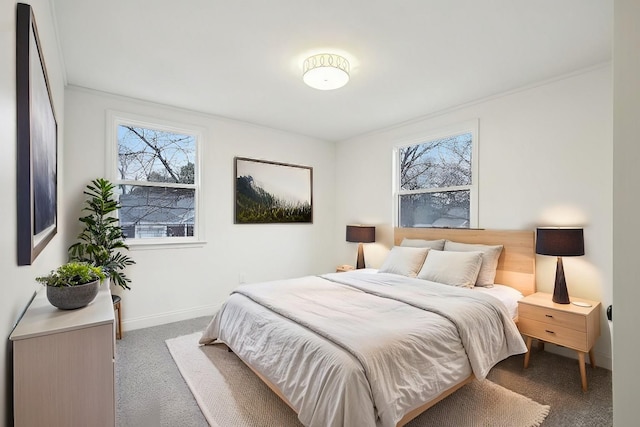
(153, 244)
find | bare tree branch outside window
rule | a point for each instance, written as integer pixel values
(435, 179)
(148, 158)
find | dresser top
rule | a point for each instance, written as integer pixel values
(41, 318)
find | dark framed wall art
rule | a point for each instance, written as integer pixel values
(37, 143)
(271, 192)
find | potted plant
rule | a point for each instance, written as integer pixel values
(72, 285)
(102, 239)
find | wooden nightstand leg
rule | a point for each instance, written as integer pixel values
(528, 353)
(592, 359)
(583, 372)
(540, 345)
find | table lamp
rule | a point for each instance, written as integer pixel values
(361, 234)
(560, 242)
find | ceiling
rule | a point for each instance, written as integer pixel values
(409, 58)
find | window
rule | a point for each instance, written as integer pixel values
(436, 181)
(157, 174)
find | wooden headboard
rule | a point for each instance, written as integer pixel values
(517, 263)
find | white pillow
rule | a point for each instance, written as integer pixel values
(452, 268)
(490, 255)
(405, 261)
(420, 243)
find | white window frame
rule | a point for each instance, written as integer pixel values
(115, 119)
(471, 127)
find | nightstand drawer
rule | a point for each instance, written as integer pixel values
(553, 317)
(573, 326)
(554, 333)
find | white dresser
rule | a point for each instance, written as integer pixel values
(63, 364)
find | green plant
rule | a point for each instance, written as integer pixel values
(72, 274)
(102, 240)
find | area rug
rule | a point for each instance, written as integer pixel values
(230, 394)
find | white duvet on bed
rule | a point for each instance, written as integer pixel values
(506, 294)
(363, 348)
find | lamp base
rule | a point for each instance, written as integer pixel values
(560, 293)
(360, 261)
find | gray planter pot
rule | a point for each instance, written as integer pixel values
(72, 297)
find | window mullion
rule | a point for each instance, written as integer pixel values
(434, 190)
(155, 184)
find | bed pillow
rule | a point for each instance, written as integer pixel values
(490, 255)
(420, 243)
(452, 268)
(405, 261)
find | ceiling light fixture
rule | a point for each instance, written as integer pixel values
(325, 71)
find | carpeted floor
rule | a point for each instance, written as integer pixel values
(151, 392)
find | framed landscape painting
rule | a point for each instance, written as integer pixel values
(37, 140)
(271, 192)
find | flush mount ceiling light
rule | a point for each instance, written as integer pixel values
(325, 71)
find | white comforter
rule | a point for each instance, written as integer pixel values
(362, 348)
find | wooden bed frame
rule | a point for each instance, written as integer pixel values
(516, 268)
(517, 263)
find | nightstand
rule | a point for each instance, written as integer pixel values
(344, 267)
(567, 325)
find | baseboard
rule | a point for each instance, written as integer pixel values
(169, 317)
(602, 360)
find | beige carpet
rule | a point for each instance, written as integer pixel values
(229, 394)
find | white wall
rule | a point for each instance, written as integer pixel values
(545, 158)
(174, 284)
(626, 199)
(18, 284)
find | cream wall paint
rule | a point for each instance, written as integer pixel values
(18, 282)
(175, 284)
(545, 156)
(626, 200)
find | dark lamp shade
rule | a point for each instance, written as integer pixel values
(560, 241)
(361, 234)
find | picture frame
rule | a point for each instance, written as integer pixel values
(268, 192)
(37, 143)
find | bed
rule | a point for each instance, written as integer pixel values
(374, 347)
